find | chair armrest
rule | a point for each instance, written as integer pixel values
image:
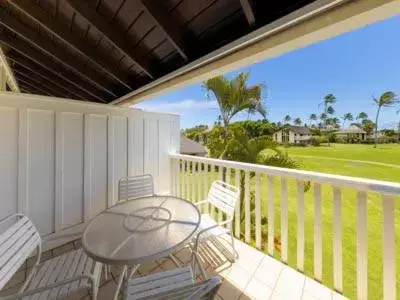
(12, 216)
(61, 236)
(49, 287)
(201, 202)
(209, 228)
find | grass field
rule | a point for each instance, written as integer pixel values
(321, 160)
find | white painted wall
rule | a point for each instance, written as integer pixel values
(61, 160)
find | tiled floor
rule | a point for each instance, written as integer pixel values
(254, 275)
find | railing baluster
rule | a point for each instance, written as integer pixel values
(362, 255)
(228, 175)
(258, 211)
(221, 171)
(193, 181)
(184, 179)
(300, 225)
(271, 215)
(205, 186)
(284, 219)
(237, 212)
(198, 181)
(317, 232)
(247, 206)
(177, 177)
(337, 240)
(212, 208)
(389, 247)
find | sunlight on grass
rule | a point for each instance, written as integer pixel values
(349, 214)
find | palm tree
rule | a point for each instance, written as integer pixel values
(313, 117)
(329, 100)
(387, 99)
(347, 117)
(234, 96)
(287, 119)
(362, 116)
(297, 121)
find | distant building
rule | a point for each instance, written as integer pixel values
(293, 135)
(190, 147)
(352, 132)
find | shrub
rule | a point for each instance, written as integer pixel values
(318, 140)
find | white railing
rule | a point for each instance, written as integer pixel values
(279, 194)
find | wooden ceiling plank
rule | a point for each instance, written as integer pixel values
(168, 26)
(56, 53)
(248, 11)
(48, 82)
(41, 59)
(113, 35)
(35, 80)
(101, 61)
(34, 87)
(44, 74)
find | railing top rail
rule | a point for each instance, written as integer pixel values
(385, 187)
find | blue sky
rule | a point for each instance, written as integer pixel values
(354, 67)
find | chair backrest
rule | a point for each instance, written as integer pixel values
(135, 187)
(224, 196)
(16, 245)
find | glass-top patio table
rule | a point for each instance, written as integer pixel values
(140, 230)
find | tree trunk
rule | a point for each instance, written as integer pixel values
(376, 126)
(398, 133)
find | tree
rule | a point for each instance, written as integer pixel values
(387, 99)
(347, 117)
(297, 121)
(362, 116)
(313, 117)
(287, 119)
(234, 96)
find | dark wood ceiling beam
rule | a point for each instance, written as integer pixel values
(168, 26)
(58, 54)
(34, 87)
(36, 69)
(43, 83)
(31, 53)
(112, 34)
(38, 83)
(248, 11)
(47, 21)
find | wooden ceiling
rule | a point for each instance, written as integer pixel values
(100, 50)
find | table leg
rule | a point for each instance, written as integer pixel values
(120, 281)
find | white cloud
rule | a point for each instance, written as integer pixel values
(177, 107)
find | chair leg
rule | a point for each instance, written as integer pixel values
(235, 254)
(95, 290)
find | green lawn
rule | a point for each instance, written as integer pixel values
(387, 154)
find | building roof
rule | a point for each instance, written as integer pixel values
(191, 147)
(299, 129)
(101, 50)
(351, 129)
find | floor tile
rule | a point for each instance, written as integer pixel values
(239, 277)
(269, 271)
(228, 291)
(256, 290)
(314, 288)
(107, 291)
(290, 283)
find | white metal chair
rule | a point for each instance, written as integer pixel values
(135, 187)
(177, 284)
(224, 197)
(54, 278)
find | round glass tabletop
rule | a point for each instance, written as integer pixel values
(140, 230)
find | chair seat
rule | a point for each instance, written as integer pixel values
(61, 268)
(162, 285)
(207, 222)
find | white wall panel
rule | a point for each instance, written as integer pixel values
(72, 169)
(61, 160)
(99, 164)
(40, 172)
(8, 160)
